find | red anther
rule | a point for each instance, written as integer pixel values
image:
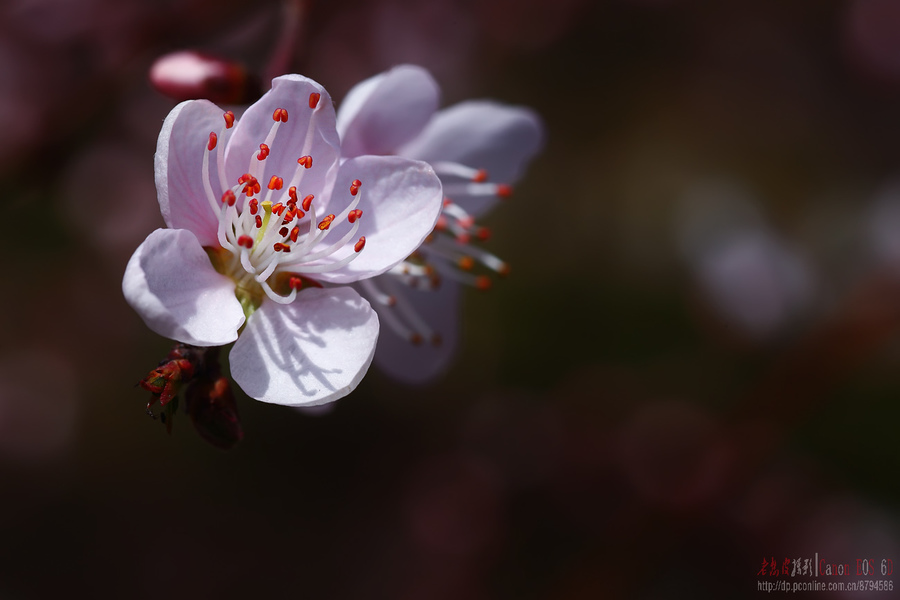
(447, 202)
(279, 247)
(280, 114)
(326, 222)
(228, 198)
(295, 283)
(503, 270)
(299, 214)
(244, 178)
(252, 185)
(258, 222)
(212, 141)
(481, 176)
(295, 232)
(283, 232)
(391, 300)
(441, 224)
(292, 193)
(263, 152)
(314, 99)
(354, 187)
(306, 161)
(307, 202)
(358, 246)
(245, 241)
(354, 215)
(229, 119)
(466, 263)
(483, 234)
(483, 283)
(254, 206)
(276, 183)
(278, 209)
(504, 190)
(415, 339)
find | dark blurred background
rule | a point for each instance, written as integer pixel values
(692, 368)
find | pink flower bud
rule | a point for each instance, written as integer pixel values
(189, 75)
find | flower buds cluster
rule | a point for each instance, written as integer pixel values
(210, 403)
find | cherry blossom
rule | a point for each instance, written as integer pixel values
(265, 224)
(477, 148)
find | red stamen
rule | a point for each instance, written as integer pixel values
(292, 193)
(314, 99)
(246, 241)
(306, 161)
(228, 198)
(212, 141)
(283, 232)
(258, 222)
(276, 183)
(229, 119)
(483, 283)
(263, 152)
(354, 215)
(504, 190)
(466, 263)
(254, 206)
(503, 270)
(295, 283)
(279, 247)
(441, 224)
(326, 222)
(280, 114)
(354, 187)
(295, 232)
(307, 202)
(483, 234)
(251, 184)
(278, 209)
(358, 246)
(481, 176)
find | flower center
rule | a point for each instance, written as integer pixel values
(272, 241)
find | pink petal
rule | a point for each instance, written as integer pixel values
(401, 201)
(417, 364)
(482, 135)
(292, 93)
(179, 168)
(172, 285)
(384, 112)
(313, 351)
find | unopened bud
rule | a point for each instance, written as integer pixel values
(191, 75)
(213, 411)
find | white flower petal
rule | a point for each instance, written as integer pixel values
(179, 168)
(401, 202)
(384, 112)
(483, 135)
(291, 92)
(310, 352)
(172, 285)
(418, 364)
